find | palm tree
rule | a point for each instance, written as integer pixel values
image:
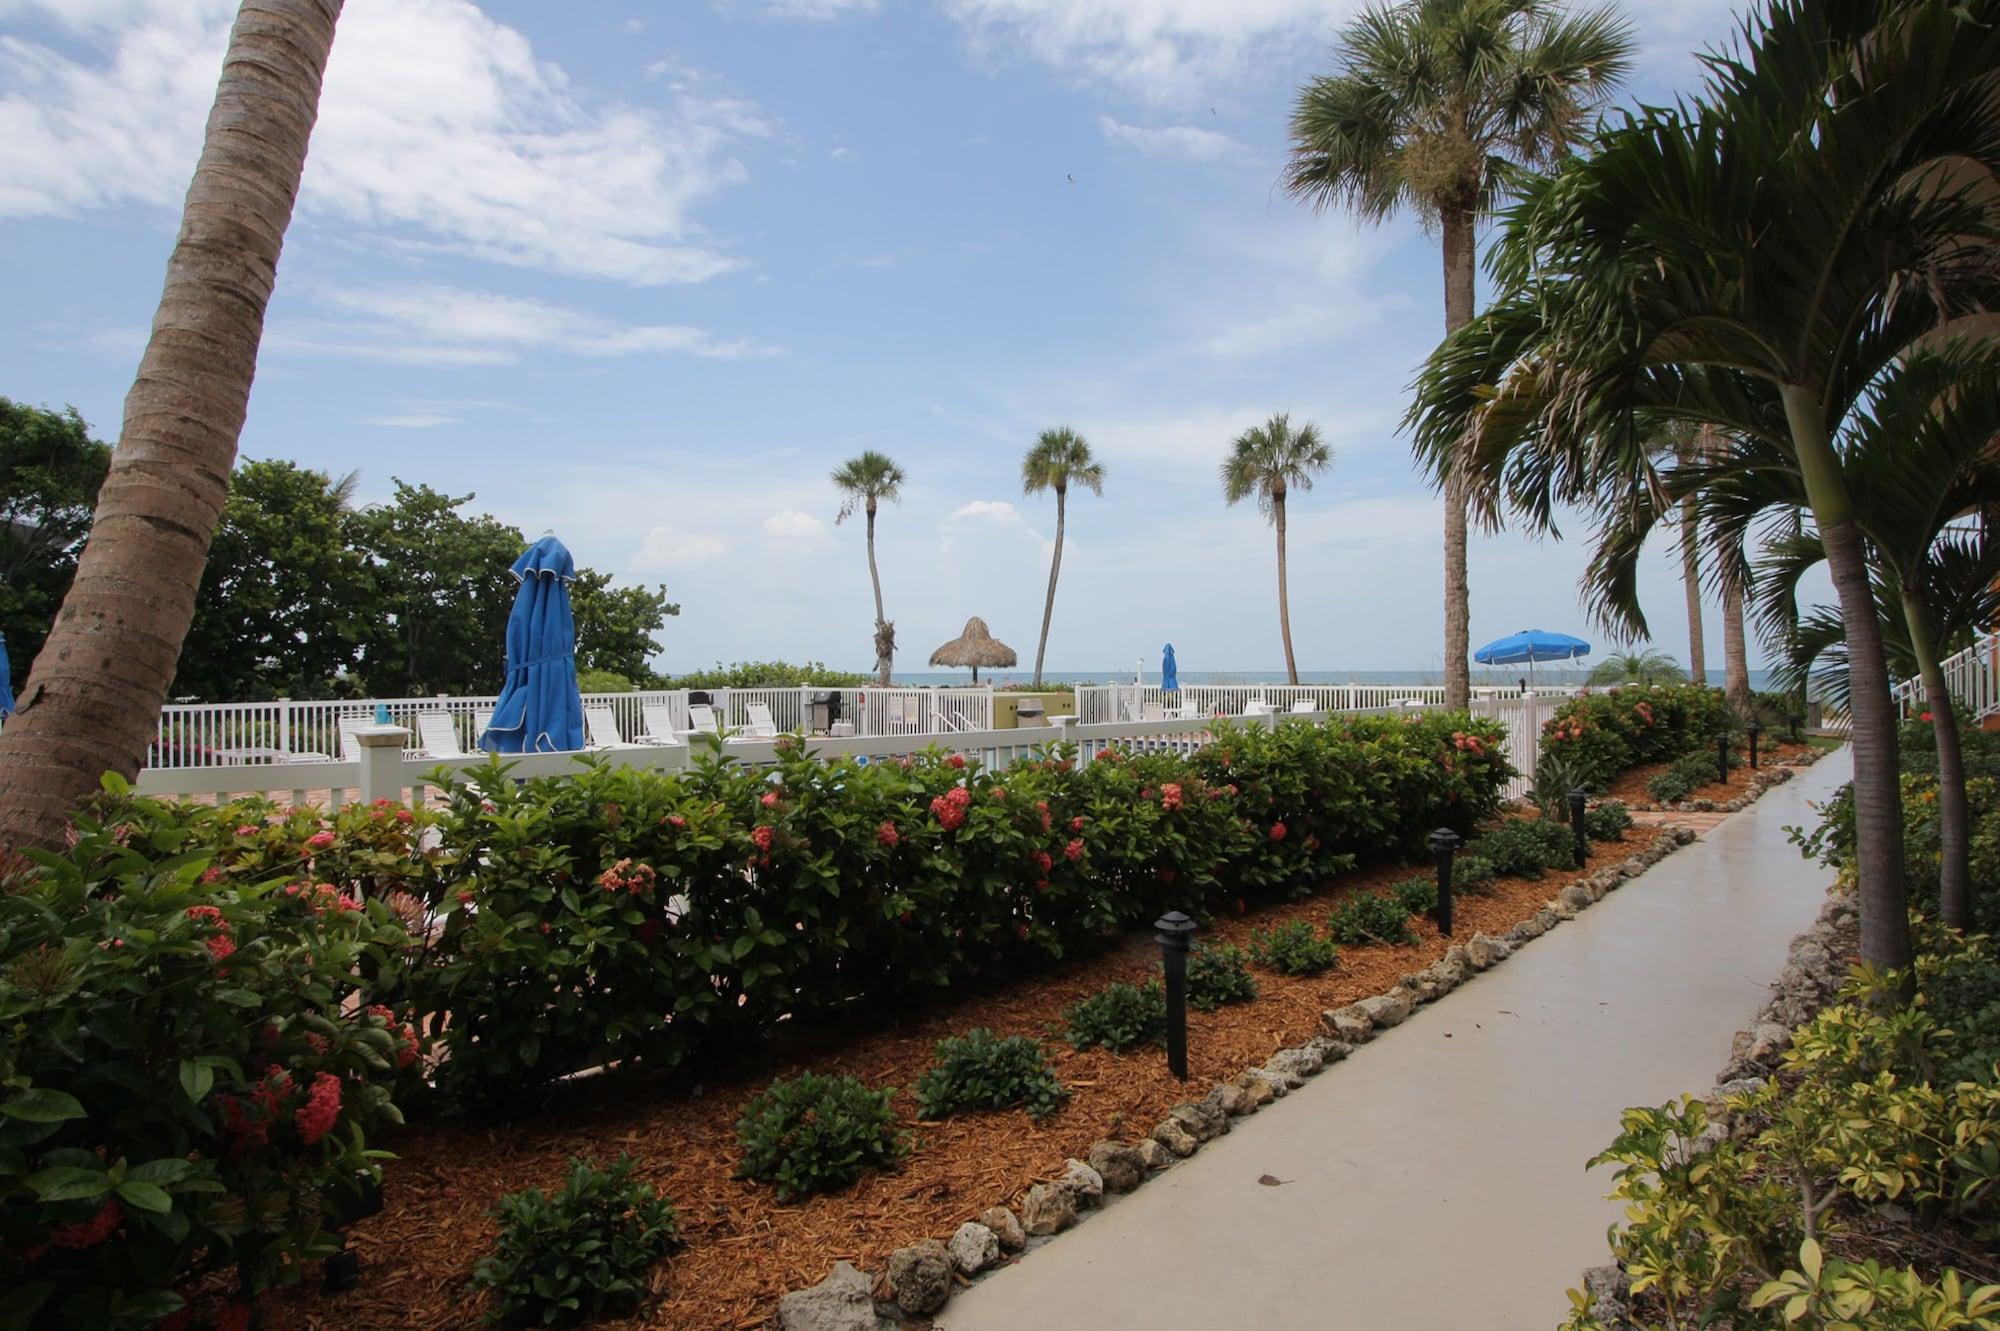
(1270, 461)
(1674, 442)
(1751, 260)
(865, 482)
(1435, 106)
(1058, 459)
(92, 701)
(1647, 667)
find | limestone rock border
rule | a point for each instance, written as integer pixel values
(1078, 1187)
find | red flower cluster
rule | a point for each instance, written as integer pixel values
(763, 835)
(1923, 716)
(406, 1034)
(220, 945)
(321, 1110)
(1074, 850)
(248, 829)
(322, 897)
(1644, 711)
(1465, 743)
(1170, 796)
(1277, 831)
(950, 807)
(89, 1233)
(998, 792)
(678, 821)
(1048, 820)
(956, 760)
(770, 799)
(1045, 860)
(887, 835)
(319, 841)
(626, 876)
(1076, 823)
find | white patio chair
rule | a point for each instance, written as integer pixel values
(659, 719)
(602, 725)
(480, 722)
(1152, 711)
(1305, 705)
(1257, 707)
(701, 719)
(761, 725)
(438, 733)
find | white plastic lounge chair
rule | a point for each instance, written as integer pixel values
(761, 725)
(602, 725)
(480, 722)
(1305, 705)
(1152, 711)
(350, 747)
(659, 725)
(1257, 707)
(701, 719)
(438, 733)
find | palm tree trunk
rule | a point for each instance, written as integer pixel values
(1691, 581)
(1735, 655)
(1049, 606)
(1954, 819)
(93, 699)
(1459, 261)
(1878, 799)
(1284, 597)
(884, 662)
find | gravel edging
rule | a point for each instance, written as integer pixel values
(920, 1279)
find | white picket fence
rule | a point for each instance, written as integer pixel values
(387, 770)
(1132, 702)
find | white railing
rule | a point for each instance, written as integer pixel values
(386, 769)
(201, 735)
(1971, 676)
(1130, 702)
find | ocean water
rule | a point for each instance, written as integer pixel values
(1498, 678)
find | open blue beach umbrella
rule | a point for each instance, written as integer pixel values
(539, 710)
(1170, 670)
(6, 681)
(1530, 646)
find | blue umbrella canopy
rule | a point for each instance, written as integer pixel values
(539, 710)
(1530, 646)
(6, 681)
(1170, 670)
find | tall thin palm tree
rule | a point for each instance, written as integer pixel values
(1059, 459)
(91, 703)
(866, 482)
(1648, 666)
(1735, 645)
(1674, 442)
(1270, 461)
(1435, 106)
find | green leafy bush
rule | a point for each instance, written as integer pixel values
(1118, 1017)
(1368, 918)
(1524, 847)
(1417, 895)
(1690, 773)
(581, 1254)
(768, 675)
(1603, 734)
(1293, 948)
(980, 1070)
(1471, 872)
(1607, 821)
(1218, 974)
(1556, 775)
(817, 1133)
(195, 1058)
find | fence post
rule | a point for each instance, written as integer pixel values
(285, 726)
(381, 762)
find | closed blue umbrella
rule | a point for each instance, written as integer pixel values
(540, 710)
(1170, 671)
(1530, 646)
(6, 681)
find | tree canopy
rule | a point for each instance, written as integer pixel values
(50, 470)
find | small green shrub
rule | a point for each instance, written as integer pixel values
(1370, 919)
(817, 1133)
(1556, 775)
(1218, 975)
(1471, 873)
(1523, 847)
(1417, 895)
(581, 1254)
(980, 1070)
(1607, 821)
(1293, 948)
(1118, 1017)
(1690, 772)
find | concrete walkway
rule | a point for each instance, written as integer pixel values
(1434, 1181)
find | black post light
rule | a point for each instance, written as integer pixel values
(1444, 844)
(1176, 937)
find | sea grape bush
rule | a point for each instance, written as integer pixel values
(194, 1062)
(818, 1133)
(1596, 736)
(1118, 1017)
(1293, 948)
(581, 1254)
(1217, 975)
(981, 1070)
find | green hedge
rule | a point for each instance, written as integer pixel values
(1600, 735)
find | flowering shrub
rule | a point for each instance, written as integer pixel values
(1599, 735)
(980, 1070)
(581, 1254)
(193, 1066)
(817, 1133)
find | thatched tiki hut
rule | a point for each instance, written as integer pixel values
(975, 647)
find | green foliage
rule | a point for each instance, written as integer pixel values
(1118, 1017)
(1417, 895)
(980, 1070)
(1471, 872)
(1647, 667)
(1368, 918)
(615, 626)
(50, 470)
(1524, 847)
(1599, 735)
(602, 681)
(768, 675)
(196, 1053)
(1558, 773)
(1690, 773)
(1217, 975)
(1979, 749)
(1293, 948)
(581, 1254)
(817, 1133)
(1607, 821)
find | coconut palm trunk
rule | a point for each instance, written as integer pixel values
(1691, 581)
(1459, 263)
(1284, 595)
(93, 699)
(1735, 654)
(884, 653)
(1055, 568)
(1954, 838)
(1878, 804)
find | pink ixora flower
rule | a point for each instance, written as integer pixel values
(319, 841)
(1076, 823)
(1170, 796)
(248, 829)
(1074, 850)
(318, 1114)
(956, 760)
(770, 800)
(887, 834)
(763, 836)
(1277, 831)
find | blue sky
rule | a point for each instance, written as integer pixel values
(642, 274)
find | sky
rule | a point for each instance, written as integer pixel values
(642, 274)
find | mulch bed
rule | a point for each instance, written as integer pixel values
(1631, 786)
(744, 1248)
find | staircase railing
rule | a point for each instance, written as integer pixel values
(1971, 676)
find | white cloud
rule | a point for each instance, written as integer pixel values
(796, 527)
(446, 326)
(1185, 142)
(672, 549)
(841, 152)
(438, 127)
(988, 512)
(416, 420)
(817, 9)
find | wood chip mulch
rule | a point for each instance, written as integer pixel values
(1631, 786)
(743, 1248)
